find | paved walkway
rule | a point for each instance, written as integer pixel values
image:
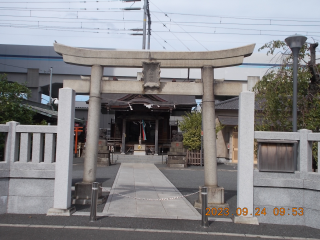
(138, 181)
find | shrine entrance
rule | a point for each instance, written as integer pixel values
(142, 116)
(151, 83)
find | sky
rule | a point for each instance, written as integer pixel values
(176, 25)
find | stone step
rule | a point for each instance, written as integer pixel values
(120, 158)
(176, 165)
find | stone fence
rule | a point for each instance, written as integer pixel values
(27, 173)
(276, 197)
(282, 194)
(36, 173)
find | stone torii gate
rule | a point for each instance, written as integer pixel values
(151, 84)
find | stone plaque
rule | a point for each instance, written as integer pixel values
(151, 74)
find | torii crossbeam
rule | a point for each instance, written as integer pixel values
(151, 84)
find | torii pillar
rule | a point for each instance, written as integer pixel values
(151, 84)
(83, 189)
(215, 193)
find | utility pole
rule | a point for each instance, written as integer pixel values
(144, 24)
(149, 24)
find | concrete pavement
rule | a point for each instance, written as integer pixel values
(141, 190)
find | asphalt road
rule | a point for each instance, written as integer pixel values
(188, 180)
(15, 226)
(85, 234)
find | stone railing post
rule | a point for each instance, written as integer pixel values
(5, 166)
(64, 155)
(304, 152)
(11, 154)
(245, 158)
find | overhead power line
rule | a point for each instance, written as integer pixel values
(66, 10)
(244, 18)
(165, 41)
(256, 34)
(182, 28)
(78, 22)
(253, 24)
(46, 2)
(98, 30)
(9, 65)
(173, 33)
(39, 24)
(185, 23)
(242, 29)
(70, 29)
(73, 18)
(159, 43)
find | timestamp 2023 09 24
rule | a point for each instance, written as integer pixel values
(258, 211)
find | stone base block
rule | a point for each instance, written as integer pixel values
(176, 161)
(3, 204)
(103, 148)
(83, 201)
(198, 205)
(215, 198)
(139, 153)
(175, 165)
(61, 212)
(176, 157)
(83, 193)
(246, 220)
(176, 145)
(29, 205)
(177, 151)
(102, 142)
(103, 161)
(103, 155)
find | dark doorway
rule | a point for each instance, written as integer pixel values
(133, 131)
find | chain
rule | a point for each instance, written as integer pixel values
(157, 199)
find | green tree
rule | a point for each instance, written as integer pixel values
(11, 97)
(274, 93)
(191, 128)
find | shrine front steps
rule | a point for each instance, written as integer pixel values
(120, 158)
